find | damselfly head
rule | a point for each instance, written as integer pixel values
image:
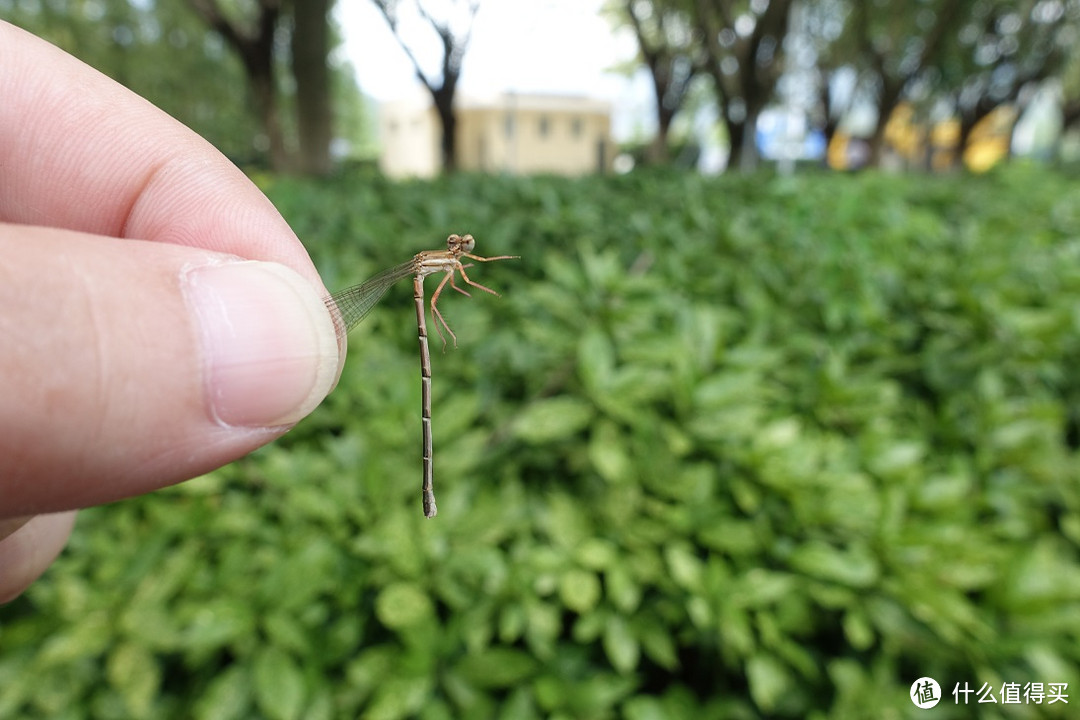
(460, 243)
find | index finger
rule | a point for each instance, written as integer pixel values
(81, 152)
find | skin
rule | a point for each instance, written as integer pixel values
(106, 206)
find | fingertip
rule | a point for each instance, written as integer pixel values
(28, 551)
(269, 347)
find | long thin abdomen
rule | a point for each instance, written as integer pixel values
(425, 396)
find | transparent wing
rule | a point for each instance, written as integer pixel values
(351, 305)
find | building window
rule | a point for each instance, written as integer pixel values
(544, 126)
(508, 125)
(576, 127)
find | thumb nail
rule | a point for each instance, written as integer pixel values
(269, 350)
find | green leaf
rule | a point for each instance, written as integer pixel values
(228, 696)
(596, 553)
(286, 632)
(403, 605)
(134, 672)
(657, 642)
(372, 667)
(643, 707)
(218, 623)
(511, 622)
(497, 667)
(321, 704)
(855, 567)
(544, 623)
(399, 697)
(81, 641)
(759, 587)
(301, 575)
(622, 589)
(620, 645)
(566, 522)
(279, 684)
(597, 695)
(553, 419)
(858, 630)
(596, 360)
(897, 458)
(686, 567)
(579, 590)
(769, 681)
(589, 626)
(607, 452)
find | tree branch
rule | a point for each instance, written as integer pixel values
(387, 8)
(943, 23)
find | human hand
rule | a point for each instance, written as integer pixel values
(158, 318)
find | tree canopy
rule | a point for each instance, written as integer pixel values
(191, 58)
(964, 57)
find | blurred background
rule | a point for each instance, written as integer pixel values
(776, 415)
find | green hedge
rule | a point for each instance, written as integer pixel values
(732, 448)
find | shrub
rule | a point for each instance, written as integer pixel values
(735, 448)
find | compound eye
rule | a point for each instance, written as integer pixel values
(468, 243)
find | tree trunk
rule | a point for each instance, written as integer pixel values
(876, 145)
(265, 96)
(967, 125)
(830, 121)
(255, 46)
(1070, 114)
(735, 131)
(887, 102)
(658, 151)
(442, 93)
(748, 156)
(310, 46)
(444, 106)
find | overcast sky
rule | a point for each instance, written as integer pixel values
(547, 46)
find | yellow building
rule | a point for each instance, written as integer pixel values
(510, 133)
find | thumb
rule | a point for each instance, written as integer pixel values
(129, 365)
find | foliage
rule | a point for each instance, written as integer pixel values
(669, 50)
(744, 46)
(964, 57)
(722, 449)
(165, 53)
(159, 50)
(1006, 49)
(969, 56)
